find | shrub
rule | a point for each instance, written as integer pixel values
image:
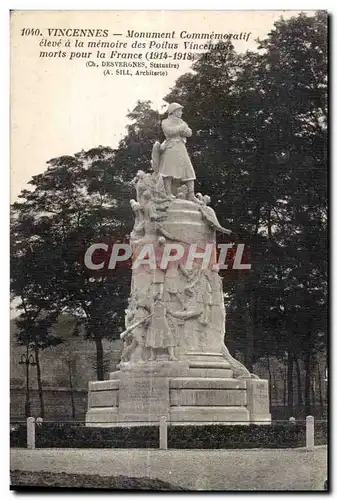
(67, 435)
(18, 435)
(237, 436)
(77, 435)
(321, 432)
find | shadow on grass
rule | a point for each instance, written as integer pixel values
(23, 480)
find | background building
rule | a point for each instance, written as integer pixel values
(66, 370)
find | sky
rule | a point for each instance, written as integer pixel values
(61, 106)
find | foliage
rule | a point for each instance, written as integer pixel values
(277, 435)
(260, 151)
(53, 225)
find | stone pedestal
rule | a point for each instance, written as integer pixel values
(186, 395)
(143, 399)
(258, 401)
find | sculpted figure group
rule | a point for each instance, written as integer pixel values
(149, 330)
(154, 317)
(153, 326)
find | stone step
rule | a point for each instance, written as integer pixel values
(208, 397)
(210, 372)
(154, 369)
(207, 383)
(221, 365)
(175, 369)
(97, 416)
(107, 398)
(206, 356)
(208, 414)
(104, 385)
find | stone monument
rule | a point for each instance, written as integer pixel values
(175, 362)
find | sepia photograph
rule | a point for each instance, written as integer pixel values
(169, 325)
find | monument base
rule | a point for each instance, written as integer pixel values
(187, 393)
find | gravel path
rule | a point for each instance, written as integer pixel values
(227, 470)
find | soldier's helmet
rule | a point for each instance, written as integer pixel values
(172, 107)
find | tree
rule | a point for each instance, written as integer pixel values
(134, 151)
(59, 219)
(38, 312)
(260, 151)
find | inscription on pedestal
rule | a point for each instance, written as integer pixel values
(143, 399)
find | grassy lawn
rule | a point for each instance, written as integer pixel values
(208, 470)
(63, 480)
